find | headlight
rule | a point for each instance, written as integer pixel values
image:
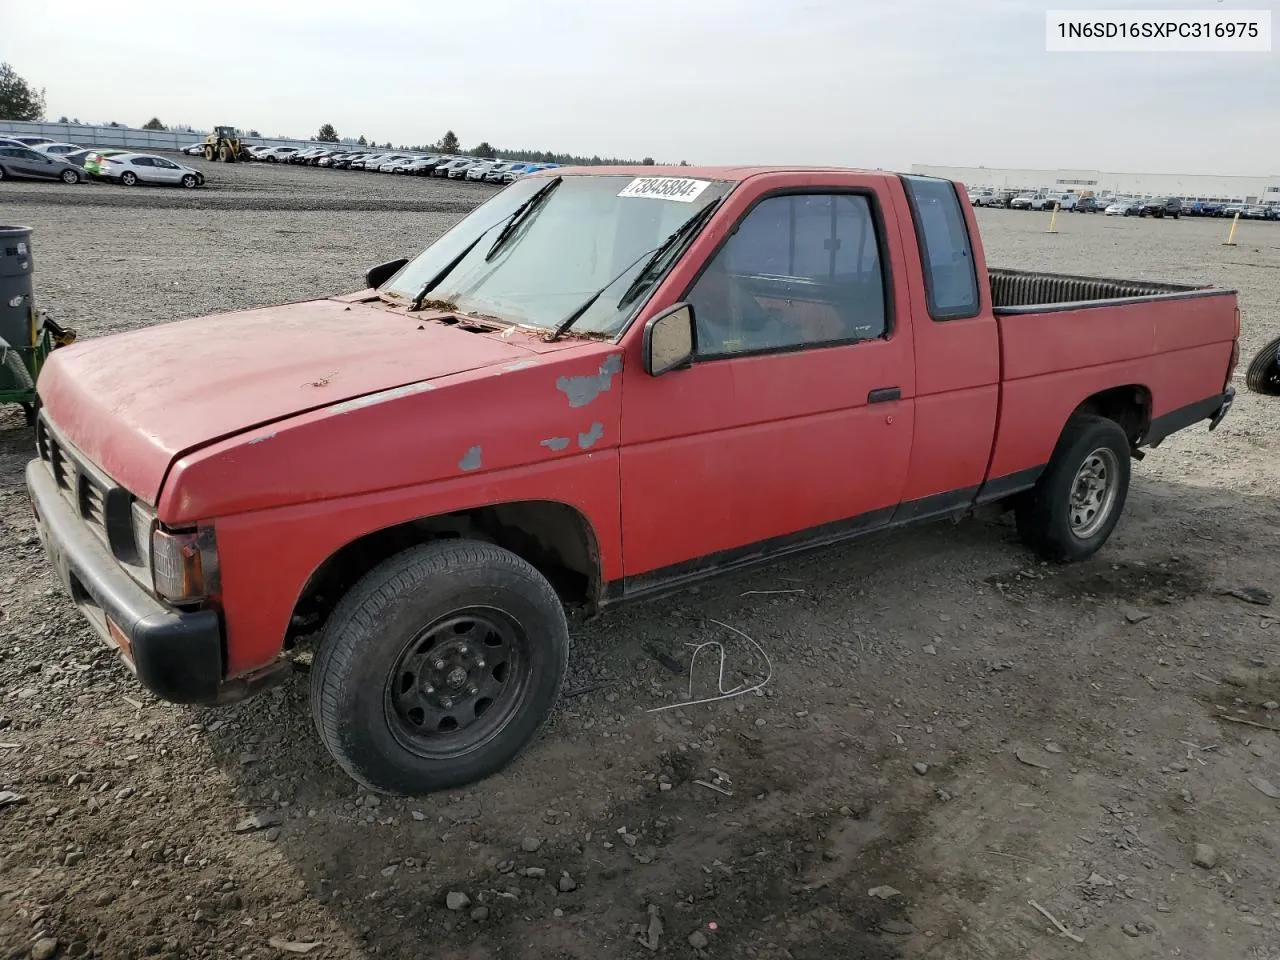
(184, 565)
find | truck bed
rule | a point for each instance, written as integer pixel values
(1025, 291)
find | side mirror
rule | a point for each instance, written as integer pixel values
(377, 276)
(670, 340)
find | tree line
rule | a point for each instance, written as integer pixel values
(20, 100)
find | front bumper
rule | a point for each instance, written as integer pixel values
(176, 655)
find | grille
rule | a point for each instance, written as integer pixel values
(87, 490)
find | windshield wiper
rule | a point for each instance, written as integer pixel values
(522, 211)
(509, 220)
(655, 257)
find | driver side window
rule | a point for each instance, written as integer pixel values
(801, 270)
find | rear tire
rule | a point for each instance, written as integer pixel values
(1077, 501)
(438, 667)
(1264, 370)
(129, 178)
(208, 153)
(70, 176)
(2, 173)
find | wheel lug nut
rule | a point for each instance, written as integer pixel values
(480, 664)
(439, 664)
(464, 650)
(428, 689)
(446, 702)
(473, 690)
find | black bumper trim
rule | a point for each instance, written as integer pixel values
(176, 655)
(1212, 409)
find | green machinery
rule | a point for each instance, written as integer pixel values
(26, 336)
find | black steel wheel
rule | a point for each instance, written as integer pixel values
(457, 682)
(438, 667)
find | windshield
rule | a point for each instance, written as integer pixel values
(585, 233)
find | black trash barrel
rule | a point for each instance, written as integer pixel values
(17, 309)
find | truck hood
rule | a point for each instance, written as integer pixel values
(132, 402)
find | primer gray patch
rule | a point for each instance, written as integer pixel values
(520, 365)
(588, 439)
(471, 461)
(582, 390)
(382, 396)
(264, 438)
(556, 443)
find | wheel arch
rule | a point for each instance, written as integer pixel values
(556, 538)
(1128, 405)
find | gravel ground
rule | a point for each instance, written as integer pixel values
(952, 731)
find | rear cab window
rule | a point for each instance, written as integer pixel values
(946, 252)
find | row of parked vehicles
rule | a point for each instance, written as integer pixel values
(40, 158)
(481, 169)
(1157, 207)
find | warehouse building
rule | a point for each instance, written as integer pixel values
(1188, 186)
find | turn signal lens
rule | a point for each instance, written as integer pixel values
(184, 565)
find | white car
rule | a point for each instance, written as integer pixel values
(1118, 208)
(132, 169)
(57, 149)
(396, 166)
(1065, 201)
(1023, 201)
(277, 154)
(195, 150)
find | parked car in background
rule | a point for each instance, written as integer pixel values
(1023, 201)
(1086, 205)
(78, 158)
(1160, 207)
(1064, 201)
(23, 162)
(131, 169)
(1262, 211)
(59, 149)
(458, 168)
(395, 164)
(94, 160)
(421, 166)
(478, 169)
(520, 170)
(347, 161)
(196, 150)
(498, 171)
(987, 198)
(32, 141)
(277, 154)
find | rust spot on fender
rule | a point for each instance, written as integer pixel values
(471, 461)
(584, 389)
(555, 443)
(589, 439)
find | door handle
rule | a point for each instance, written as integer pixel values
(884, 394)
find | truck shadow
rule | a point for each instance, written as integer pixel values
(755, 823)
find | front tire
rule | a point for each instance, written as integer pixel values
(129, 178)
(438, 667)
(70, 176)
(189, 181)
(1077, 501)
(1264, 370)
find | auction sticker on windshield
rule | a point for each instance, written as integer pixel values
(665, 188)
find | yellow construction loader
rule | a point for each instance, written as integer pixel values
(224, 144)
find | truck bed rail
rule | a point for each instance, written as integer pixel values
(1021, 291)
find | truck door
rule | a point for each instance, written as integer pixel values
(794, 423)
(957, 351)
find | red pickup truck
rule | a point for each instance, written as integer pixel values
(600, 384)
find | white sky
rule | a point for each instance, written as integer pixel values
(873, 83)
